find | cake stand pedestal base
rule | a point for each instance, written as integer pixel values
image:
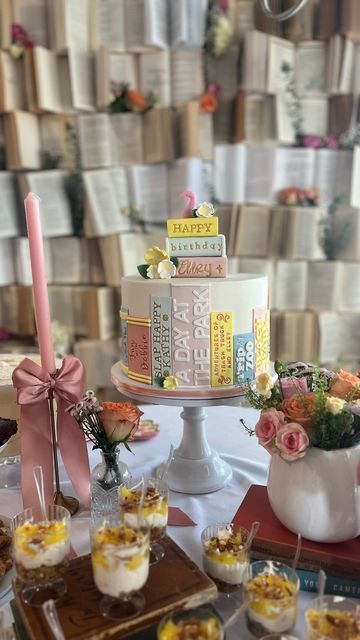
(195, 468)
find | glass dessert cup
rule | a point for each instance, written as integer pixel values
(225, 555)
(120, 564)
(194, 624)
(154, 510)
(332, 618)
(41, 553)
(271, 593)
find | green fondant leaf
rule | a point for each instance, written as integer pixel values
(175, 261)
(194, 213)
(159, 380)
(142, 269)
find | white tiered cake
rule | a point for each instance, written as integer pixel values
(193, 335)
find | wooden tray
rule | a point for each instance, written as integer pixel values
(174, 583)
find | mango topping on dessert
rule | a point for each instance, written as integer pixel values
(117, 536)
(226, 549)
(267, 588)
(106, 540)
(153, 501)
(334, 624)
(32, 537)
(191, 629)
(271, 587)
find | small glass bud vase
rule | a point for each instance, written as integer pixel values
(105, 481)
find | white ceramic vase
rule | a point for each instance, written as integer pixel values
(319, 494)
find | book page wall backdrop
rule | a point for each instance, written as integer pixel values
(108, 110)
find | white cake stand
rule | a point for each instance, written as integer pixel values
(195, 467)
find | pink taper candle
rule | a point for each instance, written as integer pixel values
(41, 298)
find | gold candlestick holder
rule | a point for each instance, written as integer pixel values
(69, 502)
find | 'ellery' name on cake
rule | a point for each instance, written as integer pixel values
(202, 268)
(191, 335)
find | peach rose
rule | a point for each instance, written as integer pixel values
(267, 427)
(120, 420)
(344, 384)
(299, 408)
(208, 103)
(136, 99)
(292, 441)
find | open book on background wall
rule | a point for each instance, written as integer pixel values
(9, 223)
(59, 83)
(107, 197)
(12, 83)
(113, 67)
(121, 253)
(50, 186)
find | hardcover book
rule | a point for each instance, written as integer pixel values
(172, 584)
(274, 541)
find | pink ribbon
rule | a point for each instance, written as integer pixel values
(33, 384)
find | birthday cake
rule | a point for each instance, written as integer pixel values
(186, 324)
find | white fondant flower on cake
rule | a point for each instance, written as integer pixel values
(205, 210)
(264, 384)
(170, 383)
(154, 255)
(166, 269)
(152, 272)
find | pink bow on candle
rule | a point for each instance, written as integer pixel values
(33, 384)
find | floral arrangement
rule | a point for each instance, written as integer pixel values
(312, 141)
(158, 264)
(106, 425)
(19, 41)
(299, 197)
(125, 100)
(218, 28)
(305, 407)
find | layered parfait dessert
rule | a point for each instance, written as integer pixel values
(272, 595)
(120, 559)
(41, 549)
(200, 624)
(154, 509)
(225, 555)
(332, 624)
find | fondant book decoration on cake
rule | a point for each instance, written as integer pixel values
(274, 541)
(186, 322)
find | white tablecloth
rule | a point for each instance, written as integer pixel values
(227, 436)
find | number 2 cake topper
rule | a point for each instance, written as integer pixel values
(204, 210)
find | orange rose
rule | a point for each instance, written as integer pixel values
(136, 99)
(288, 196)
(344, 384)
(299, 408)
(120, 420)
(208, 103)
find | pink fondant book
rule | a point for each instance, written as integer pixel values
(202, 267)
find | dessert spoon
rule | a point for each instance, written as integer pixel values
(51, 617)
(39, 481)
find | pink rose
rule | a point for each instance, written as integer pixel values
(311, 141)
(267, 427)
(292, 441)
(120, 420)
(290, 386)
